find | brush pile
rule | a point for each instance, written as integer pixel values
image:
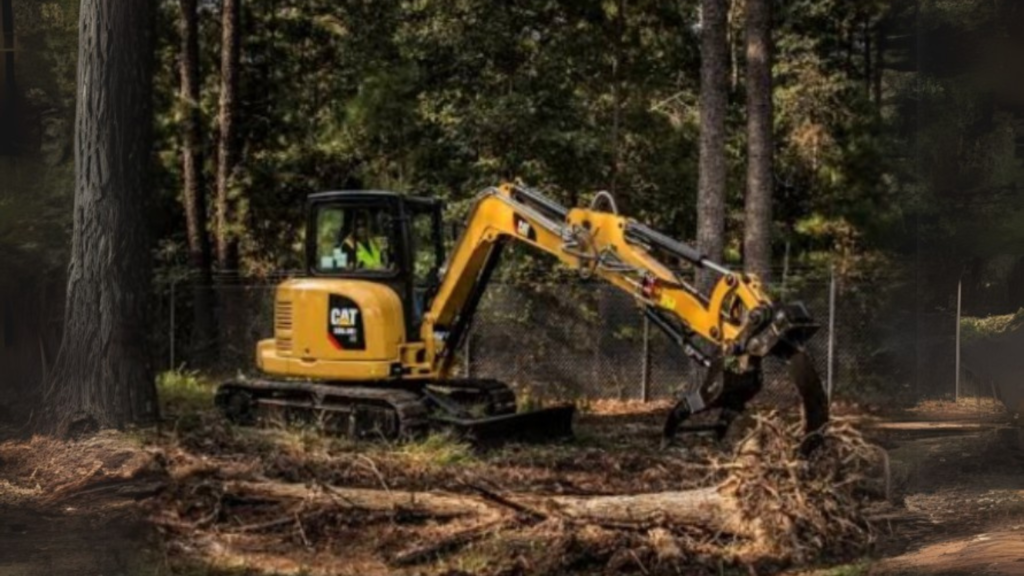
(801, 507)
(763, 504)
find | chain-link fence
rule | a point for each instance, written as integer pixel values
(580, 340)
(592, 341)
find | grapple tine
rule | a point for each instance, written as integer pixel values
(815, 401)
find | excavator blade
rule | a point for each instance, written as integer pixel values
(533, 426)
(815, 401)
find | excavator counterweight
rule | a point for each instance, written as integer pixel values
(364, 344)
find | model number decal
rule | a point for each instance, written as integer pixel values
(345, 330)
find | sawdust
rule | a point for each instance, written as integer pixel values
(50, 469)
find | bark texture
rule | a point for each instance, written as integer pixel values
(227, 147)
(714, 69)
(102, 375)
(8, 88)
(758, 221)
(702, 507)
(194, 192)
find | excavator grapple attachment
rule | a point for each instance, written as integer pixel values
(783, 336)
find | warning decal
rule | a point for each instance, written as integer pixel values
(345, 324)
(524, 228)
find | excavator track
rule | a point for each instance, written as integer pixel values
(350, 410)
(480, 410)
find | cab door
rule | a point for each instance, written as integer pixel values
(426, 256)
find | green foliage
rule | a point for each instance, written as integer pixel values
(972, 329)
(183, 392)
(36, 186)
(444, 98)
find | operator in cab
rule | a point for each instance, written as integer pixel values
(363, 248)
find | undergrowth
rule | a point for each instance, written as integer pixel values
(184, 391)
(438, 449)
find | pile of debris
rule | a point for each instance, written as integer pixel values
(764, 504)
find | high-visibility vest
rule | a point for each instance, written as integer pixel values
(368, 255)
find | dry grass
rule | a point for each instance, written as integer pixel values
(967, 408)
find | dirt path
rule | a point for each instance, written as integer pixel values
(965, 485)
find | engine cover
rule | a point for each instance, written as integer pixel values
(334, 329)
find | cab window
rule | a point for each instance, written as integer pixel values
(353, 239)
(424, 242)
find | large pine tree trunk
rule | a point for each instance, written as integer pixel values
(102, 376)
(194, 193)
(757, 231)
(8, 92)
(714, 70)
(230, 314)
(227, 149)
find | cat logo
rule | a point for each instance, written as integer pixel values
(344, 316)
(345, 324)
(524, 228)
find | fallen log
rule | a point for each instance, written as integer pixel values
(439, 504)
(705, 508)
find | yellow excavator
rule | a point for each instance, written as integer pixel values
(364, 344)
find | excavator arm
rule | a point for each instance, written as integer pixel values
(735, 321)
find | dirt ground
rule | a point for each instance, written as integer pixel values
(161, 502)
(960, 473)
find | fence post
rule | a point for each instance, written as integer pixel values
(831, 328)
(172, 327)
(467, 354)
(785, 272)
(959, 285)
(645, 376)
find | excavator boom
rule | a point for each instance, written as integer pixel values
(735, 320)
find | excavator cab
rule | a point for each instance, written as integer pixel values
(351, 350)
(380, 237)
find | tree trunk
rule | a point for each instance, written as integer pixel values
(869, 75)
(879, 67)
(713, 100)
(701, 507)
(227, 149)
(757, 231)
(194, 193)
(102, 376)
(8, 88)
(229, 313)
(1014, 299)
